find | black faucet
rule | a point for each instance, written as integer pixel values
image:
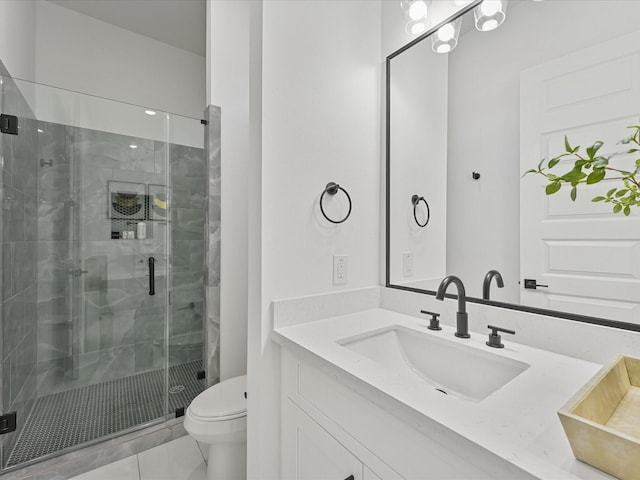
(462, 319)
(487, 282)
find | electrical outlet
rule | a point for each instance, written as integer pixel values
(340, 269)
(407, 264)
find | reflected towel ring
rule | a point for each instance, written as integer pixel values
(332, 188)
(415, 200)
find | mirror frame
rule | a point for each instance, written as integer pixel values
(509, 306)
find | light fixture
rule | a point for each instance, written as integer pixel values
(414, 9)
(416, 27)
(40, 130)
(133, 145)
(415, 14)
(150, 112)
(490, 14)
(445, 38)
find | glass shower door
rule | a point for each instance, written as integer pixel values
(19, 261)
(99, 337)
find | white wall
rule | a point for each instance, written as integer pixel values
(228, 87)
(321, 97)
(484, 92)
(17, 39)
(320, 122)
(77, 52)
(43, 42)
(418, 145)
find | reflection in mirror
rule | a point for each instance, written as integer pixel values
(465, 125)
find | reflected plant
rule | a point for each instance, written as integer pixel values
(590, 168)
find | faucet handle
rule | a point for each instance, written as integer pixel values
(494, 338)
(434, 323)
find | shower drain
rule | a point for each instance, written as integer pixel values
(176, 389)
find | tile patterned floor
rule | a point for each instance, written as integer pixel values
(180, 459)
(76, 416)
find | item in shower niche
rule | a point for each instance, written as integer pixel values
(159, 202)
(128, 235)
(127, 204)
(160, 205)
(126, 201)
(141, 230)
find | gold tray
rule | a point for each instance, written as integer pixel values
(602, 421)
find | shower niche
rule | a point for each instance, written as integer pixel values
(134, 208)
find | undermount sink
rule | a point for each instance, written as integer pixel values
(448, 365)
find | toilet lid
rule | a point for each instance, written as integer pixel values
(222, 400)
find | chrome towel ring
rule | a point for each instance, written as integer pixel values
(332, 188)
(415, 200)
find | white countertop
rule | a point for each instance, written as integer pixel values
(518, 422)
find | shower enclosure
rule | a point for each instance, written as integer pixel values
(103, 264)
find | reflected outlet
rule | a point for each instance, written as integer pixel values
(407, 264)
(340, 263)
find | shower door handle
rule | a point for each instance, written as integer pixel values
(152, 276)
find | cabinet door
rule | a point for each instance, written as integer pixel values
(311, 453)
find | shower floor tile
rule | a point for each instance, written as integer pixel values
(69, 418)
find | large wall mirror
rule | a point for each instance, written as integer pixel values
(463, 127)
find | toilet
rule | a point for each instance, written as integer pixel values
(218, 417)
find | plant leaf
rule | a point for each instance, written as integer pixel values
(592, 150)
(616, 208)
(553, 187)
(598, 199)
(553, 162)
(567, 146)
(620, 193)
(600, 162)
(574, 192)
(574, 176)
(610, 192)
(627, 210)
(595, 176)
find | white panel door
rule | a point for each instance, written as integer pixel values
(369, 475)
(588, 256)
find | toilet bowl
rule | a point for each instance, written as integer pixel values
(218, 417)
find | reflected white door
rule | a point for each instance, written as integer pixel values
(588, 256)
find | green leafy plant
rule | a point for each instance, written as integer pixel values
(590, 168)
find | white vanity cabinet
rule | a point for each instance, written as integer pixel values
(330, 431)
(309, 449)
(311, 453)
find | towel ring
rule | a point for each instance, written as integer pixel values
(332, 188)
(415, 199)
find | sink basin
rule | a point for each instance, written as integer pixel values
(449, 366)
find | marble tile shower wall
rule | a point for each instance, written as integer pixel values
(188, 173)
(19, 246)
(118, 329)
(212, 248)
